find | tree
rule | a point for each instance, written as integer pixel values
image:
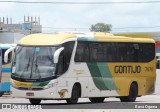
(101, 27)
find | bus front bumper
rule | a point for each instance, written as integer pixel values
(49, 93)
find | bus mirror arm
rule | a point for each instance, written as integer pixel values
(6, 54)
(57, 53)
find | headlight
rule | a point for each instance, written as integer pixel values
(50, 85)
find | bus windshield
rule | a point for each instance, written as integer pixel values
(34, 63)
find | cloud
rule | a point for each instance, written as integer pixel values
(6, 6)
(82, 16)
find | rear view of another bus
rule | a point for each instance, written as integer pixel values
(6, 55)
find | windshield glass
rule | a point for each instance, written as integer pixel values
(34, 62)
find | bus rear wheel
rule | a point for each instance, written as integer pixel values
(35, 101)
(133, 93)
(97, 100)
(74, 96)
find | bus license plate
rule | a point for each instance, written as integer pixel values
(29, 94)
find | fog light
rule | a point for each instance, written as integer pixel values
(51, 93)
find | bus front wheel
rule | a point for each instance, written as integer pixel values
(97, 100)
(133, 93)
(35, 101)
(74, 96)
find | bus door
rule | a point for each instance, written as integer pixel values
(62, 67)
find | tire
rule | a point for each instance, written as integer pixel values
(35, 101)
(74, 96)
(133, 93)
(97, 100)
(1, 94)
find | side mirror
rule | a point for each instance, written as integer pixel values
(7, 53)
(57, 53)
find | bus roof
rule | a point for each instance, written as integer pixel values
(55, 39)
(45, 39)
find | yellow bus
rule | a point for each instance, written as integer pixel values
(7, 54)
(83, 65)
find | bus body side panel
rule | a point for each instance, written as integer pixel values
(102, 80)
(91, 86)
(73, 76)
(126, 73)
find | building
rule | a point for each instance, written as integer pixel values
(11, 32)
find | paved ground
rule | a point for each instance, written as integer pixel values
(144, 99)
(145, 102)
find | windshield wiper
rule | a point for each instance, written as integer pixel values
(26, 68)
(37, 69)
(28, 64)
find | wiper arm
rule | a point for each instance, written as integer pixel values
(26, 68)
(28, 64)
(37, 69)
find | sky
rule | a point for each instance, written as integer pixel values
(133, 17)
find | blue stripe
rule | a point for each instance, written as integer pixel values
(5, 86)
(6, 69)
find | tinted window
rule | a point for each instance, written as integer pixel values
(114, 52)
(148, 52)
(129, 52)
(65, 57)
(82, 52)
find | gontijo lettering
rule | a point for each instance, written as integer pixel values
(127, 69)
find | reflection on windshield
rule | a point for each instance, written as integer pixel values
(34, 62)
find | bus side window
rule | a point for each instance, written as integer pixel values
(60, 66)
(148, 52)
(65, 57)
(79, 53)
(82, 52)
